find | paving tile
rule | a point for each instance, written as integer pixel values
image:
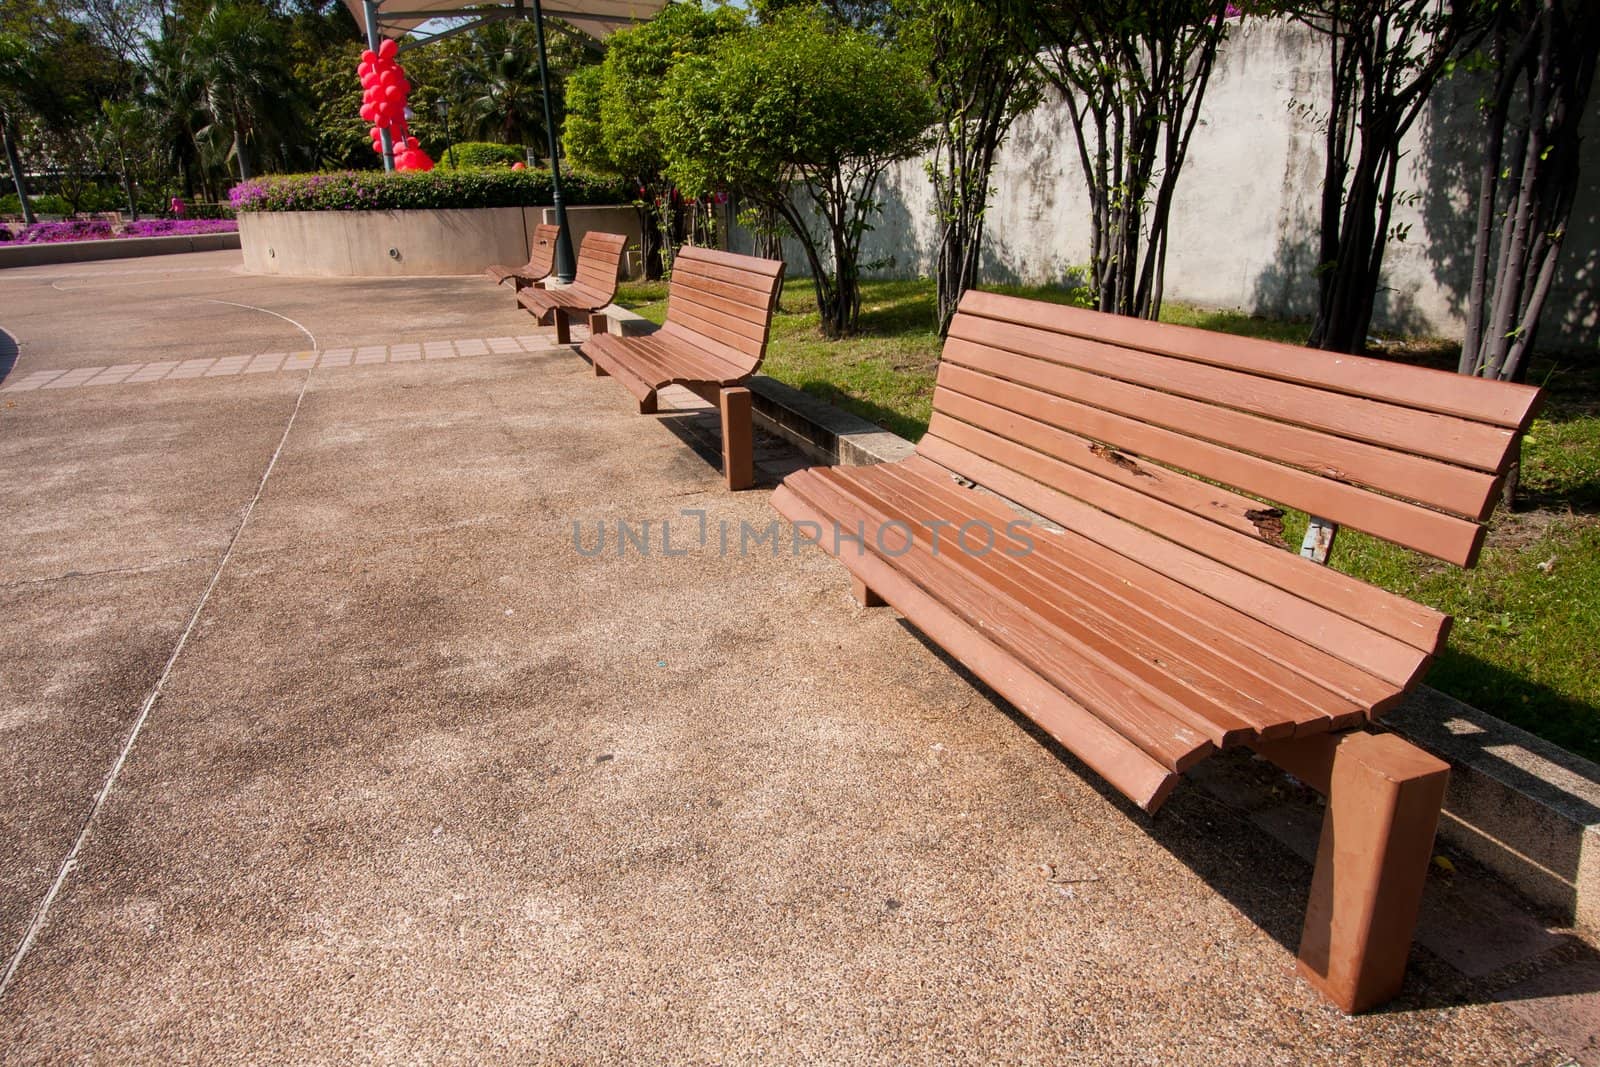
(372, 354)
(473, 347)
(1564, 1005)
(300, 361)
(267, 361)
(115, 375)
(532, 342)
(33, 381)
(337, 357)
(504, 345)
(191, 368)
(1471, 925)
(72, 378)
(439, 350)
(228, 365)
(404, 353)
(153, 372)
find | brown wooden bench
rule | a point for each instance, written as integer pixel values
(541, 260)
(719, 313)
(1158, 617)
(595, 286)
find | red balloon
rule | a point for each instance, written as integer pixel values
(519, 166)
(368, 113)
(388, 49)
(412, 142)
(369, 56)
(394, 95)
(388, 78)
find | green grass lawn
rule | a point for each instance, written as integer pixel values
(1526, 642)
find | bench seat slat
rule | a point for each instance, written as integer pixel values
(664, 360)
(1160, 734)
(1255, 593)
(1499, 403)
(1204, 630)
(1228, 704)
(1456, 489)
(1112, 756)
(746, 361)
(1482, 446)
(1033, 418)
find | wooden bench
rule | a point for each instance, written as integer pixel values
(719, 313)
(1157, 616)
(541, 260)
(599, 264)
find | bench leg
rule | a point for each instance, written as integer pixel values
(864, 594)
(1384, 798)
(598, 324)
(738, 449)
(647, 406)
(563, 327)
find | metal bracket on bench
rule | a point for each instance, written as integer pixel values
(1318, 542)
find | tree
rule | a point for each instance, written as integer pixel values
(15, 75)
(611, 115)
(980, 80)
(121, 133)
(1542, 59)
(800, 116)
(236, 53)
(1384, 58)
(1133, 74)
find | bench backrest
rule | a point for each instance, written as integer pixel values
(542, 249)
(600, 263)
(723, 302)
(1093, 405)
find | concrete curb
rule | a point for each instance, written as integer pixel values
(115, 248)
(1528, 810)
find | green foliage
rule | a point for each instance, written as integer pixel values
(469, 155)
(612, 115)
(798, 110)
(414, 190)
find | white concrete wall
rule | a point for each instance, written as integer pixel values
(405, 243)
(1244, 220)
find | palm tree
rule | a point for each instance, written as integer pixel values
(235, 51)
(174, 106)
(14, 76)
(501, 83)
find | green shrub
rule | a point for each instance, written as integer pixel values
(44, 204)
(471, 155)
(418, 190)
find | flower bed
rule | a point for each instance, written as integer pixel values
(419, 191)
(101, 230)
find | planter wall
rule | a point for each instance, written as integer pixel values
(407, 243)
(21, 255)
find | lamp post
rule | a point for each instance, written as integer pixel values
(442, 106)
(566, 269)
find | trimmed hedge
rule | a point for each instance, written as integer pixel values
(419, 190)
(469, 154)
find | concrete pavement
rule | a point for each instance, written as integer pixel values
(427, 782)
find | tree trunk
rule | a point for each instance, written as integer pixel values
(14, 161)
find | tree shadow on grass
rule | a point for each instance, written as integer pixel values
(1250, 833)
(1571, 724)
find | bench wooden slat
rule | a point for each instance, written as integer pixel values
(749, 322)
(541, 257)
(1112, 756)
(1032, 418)
(595, 286)
(750, 272)
(1155, 730)
(1211, 636)
(663, 364)
(1482, 446)
(1225, 704)
(745, 288)
(1465, 492)
(1255, 594)
(715, 325)
(1499, 403)
(745, 361)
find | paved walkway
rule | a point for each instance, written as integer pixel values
(321, 739)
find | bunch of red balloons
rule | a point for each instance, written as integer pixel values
(383, 103)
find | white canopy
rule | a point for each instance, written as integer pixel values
(596, 18)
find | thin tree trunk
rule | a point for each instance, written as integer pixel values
(14, 162)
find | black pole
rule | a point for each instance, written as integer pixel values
(565, 268)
